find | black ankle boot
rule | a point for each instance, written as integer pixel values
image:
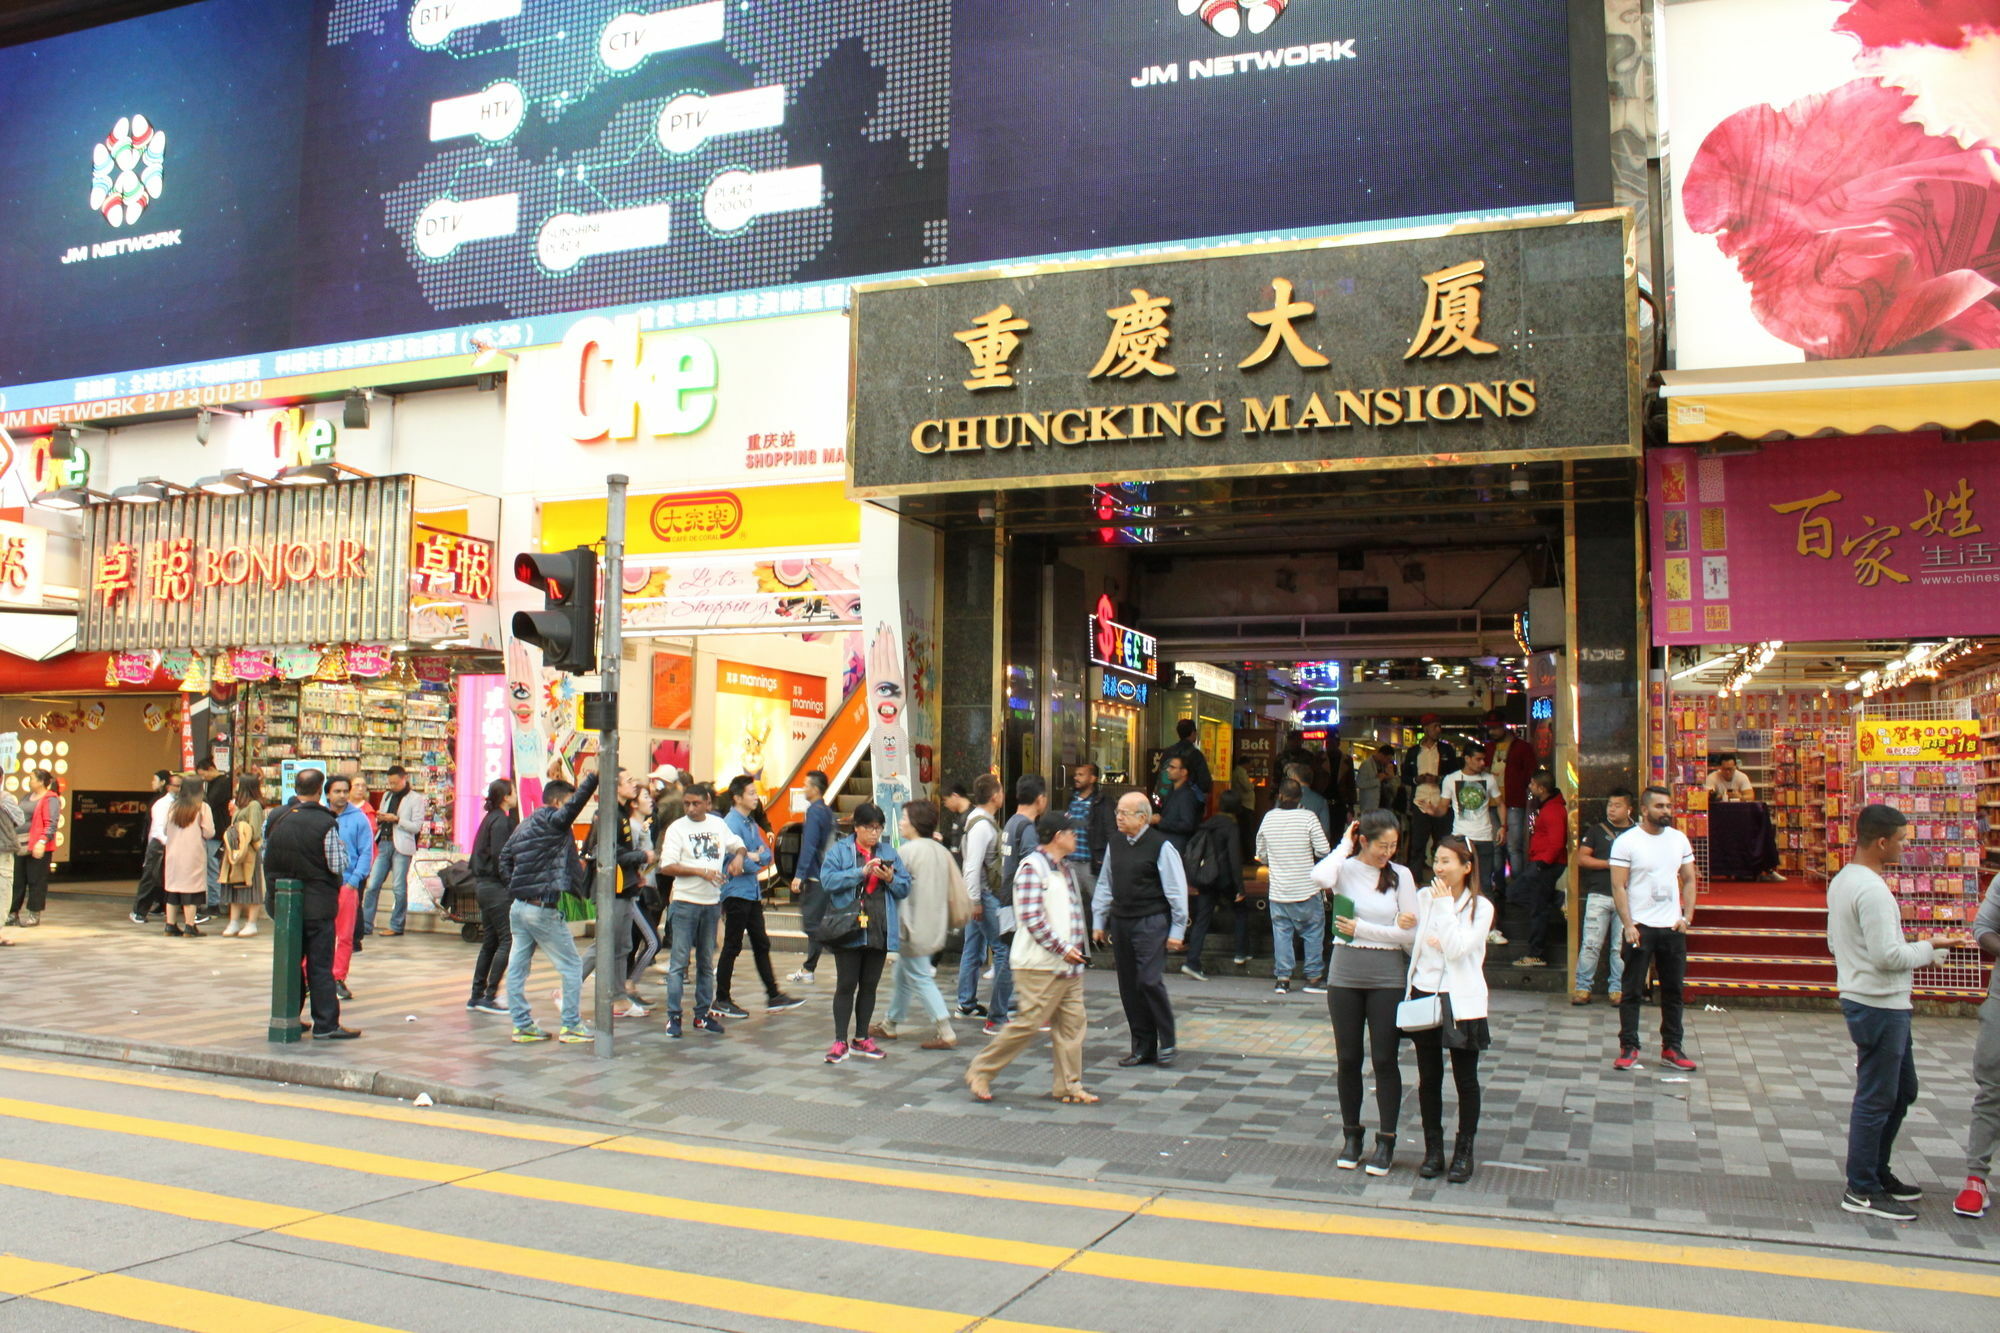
(1385, 1151)
(1433, 1166)
(1352, 1140)
(1461, 1160)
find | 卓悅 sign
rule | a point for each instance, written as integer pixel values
(1483, 344)
(1867, 537)
(309, 564)
(1120, 647)
(1920, 742)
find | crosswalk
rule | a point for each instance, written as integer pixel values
(158, 1199)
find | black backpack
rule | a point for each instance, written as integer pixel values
(1207, 859)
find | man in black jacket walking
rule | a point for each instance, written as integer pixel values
(302, 843)
(540, 863)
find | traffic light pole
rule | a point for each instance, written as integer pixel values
(608, 814)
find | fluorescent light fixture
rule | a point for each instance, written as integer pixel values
(70, 497)
(229, 481)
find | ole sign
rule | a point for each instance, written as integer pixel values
(628, 386)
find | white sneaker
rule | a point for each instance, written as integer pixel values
(801, 977)
(247, 931)
(987, 975)
(233, 928)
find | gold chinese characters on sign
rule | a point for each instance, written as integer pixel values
(1871, 549)
(1138, 340)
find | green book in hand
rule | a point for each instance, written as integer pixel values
(1343, 906)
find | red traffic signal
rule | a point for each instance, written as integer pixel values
(566, 628)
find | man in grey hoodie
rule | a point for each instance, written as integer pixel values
(1865, 929)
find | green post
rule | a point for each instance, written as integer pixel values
(287, 946)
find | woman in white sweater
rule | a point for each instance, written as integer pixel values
(1450, 959)
(1366, 978)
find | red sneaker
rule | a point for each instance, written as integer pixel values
(1628, 1058)
(866, 1048)
(1669, 1055)
(1971, 1201)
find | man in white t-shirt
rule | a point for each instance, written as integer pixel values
(1653, 886)
(700, 852)
(1478, 813)
(1728, 782)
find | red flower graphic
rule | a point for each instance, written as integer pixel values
(1858, 233)
(1945, 23)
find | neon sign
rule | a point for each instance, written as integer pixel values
(1123, 690)
(1541, 709)
(1120, 647)
(1319, 675)
(1320, 713)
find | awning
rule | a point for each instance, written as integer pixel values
(37, 636)
(1948, 390)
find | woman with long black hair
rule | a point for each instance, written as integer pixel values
(1449, 959)
(496, 935)
(862, 874)
(1366, 977)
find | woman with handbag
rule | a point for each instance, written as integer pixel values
(489, 886)
(242, 876)
(937, 890)
(1448, 981)
(863, 881)
(184, 867)
(1374, 923)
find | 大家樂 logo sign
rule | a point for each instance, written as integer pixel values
(1229, 17)
(126, 169)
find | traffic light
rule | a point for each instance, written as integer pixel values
(566, 628)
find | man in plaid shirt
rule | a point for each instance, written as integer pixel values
(1048, 961)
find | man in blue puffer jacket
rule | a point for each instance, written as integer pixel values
(540, 863)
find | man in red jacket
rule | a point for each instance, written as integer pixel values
(1548, 852)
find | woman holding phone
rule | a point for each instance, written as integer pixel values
(1374, 922)
(865, 874)
(1450, 960)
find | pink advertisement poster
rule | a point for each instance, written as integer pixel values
(484, 750)
(1861, 537)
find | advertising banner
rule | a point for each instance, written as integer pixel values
(1917, 742)
(485, 750)
(1871, 537)
(1485, 344)
(483, 169)
(814, 514)
(763, 719)
(673, 691)
(1839, 202)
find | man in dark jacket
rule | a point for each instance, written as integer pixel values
(302, 843)
(1092, 814)
(540, 864)
(1191, 757)
(1224, 883)
(1181, 808)
(215, 792)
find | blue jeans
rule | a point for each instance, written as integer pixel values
(214, 870)
(1304, 923)
(1600, 923)
(916, 983)
(971, 961)
(388, 862)
(1885, 1086)
(1000, 1005)
(542, 927)
(1517, 840)
(1489, 865)
(694, 926)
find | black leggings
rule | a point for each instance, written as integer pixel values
(1351, 1009)
(496, 938)
(857, 973)
(1430, 1083)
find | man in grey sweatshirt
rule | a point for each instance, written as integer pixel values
(1972, 1200)
(1865, 928)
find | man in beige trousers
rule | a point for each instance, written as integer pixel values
(1048, 959)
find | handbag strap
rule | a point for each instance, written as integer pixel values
(1416, 948)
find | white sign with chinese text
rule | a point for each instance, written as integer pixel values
(23, 564)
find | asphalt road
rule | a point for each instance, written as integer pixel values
(132, 1199)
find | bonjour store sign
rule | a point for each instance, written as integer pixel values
(1484, 344)
(305, 564)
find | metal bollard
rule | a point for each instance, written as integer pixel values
(287, 947)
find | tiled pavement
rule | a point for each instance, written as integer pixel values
(1749, 1145)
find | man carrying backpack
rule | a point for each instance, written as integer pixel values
(1215, 875)
(981, 867)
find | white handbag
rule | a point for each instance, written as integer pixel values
(1432, 1011)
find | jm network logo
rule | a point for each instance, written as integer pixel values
(127, 170)
(1230, 17)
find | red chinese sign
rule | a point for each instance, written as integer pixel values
(451, 564)
(171, 570)
(1878, 536)
(704, 516)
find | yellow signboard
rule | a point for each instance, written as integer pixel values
(814, 514)
(1917, 742)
